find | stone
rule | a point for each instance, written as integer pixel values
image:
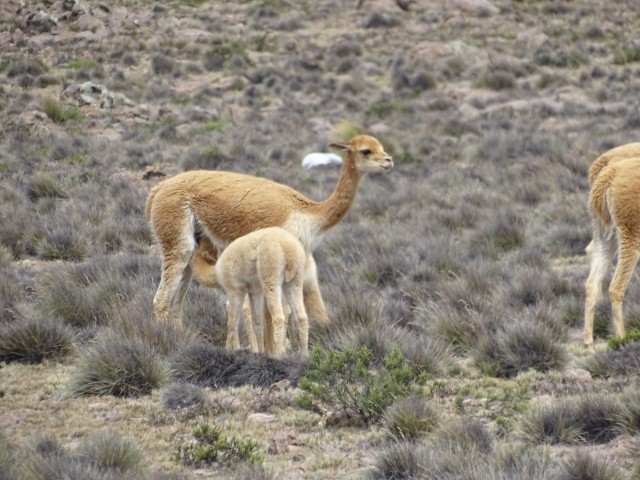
(282, 440)
(280, 386)
(262, 418)
(577, 375)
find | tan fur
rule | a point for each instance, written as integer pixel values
(223, 206)
(614, 207)
(630, 150)
(203, 266)
(266, 264)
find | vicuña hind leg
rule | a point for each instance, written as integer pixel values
(313, 302)
(601, 251)
(175, 279)
(176, 274)
(628, 255)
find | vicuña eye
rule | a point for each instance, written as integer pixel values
(366, 152)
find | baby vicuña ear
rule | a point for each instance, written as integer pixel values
(345, 147)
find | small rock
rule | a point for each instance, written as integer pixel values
(341, 418)
(380, 20)
(280, 386)
(9, 420)
(577, 375)
(231, 402)
(282, 440)
(476, 7)
(262, 417)
(532, 38)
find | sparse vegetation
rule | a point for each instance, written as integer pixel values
(213, 446)
(59, 113)
(344, 380)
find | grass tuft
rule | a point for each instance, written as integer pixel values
(411, 418)
(57, 112)
(182, 395)
(518, 346)
(111, 452)
(587, 466)
(119, 366)
(34, 340)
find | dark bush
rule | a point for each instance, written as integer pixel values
(206, 365)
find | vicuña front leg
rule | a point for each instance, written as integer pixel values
(273, 299)
(234, 313)
(254, 321)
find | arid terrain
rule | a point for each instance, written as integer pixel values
(468, 257)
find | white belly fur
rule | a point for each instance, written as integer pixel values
(304, 228)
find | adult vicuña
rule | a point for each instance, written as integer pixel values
(265, 264)
(615, 215)
(214, 208)
(630, 150)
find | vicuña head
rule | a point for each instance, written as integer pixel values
(215, 208)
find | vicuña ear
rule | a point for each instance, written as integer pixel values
(345, 147)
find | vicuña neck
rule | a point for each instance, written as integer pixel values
(334, 208)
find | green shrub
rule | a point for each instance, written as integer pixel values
(119, 366)
(631, 336)
(211, 446)
(344, 380)
(44, 185)
(624, 55)
(33, 340)
(57, 112)
(82, 63)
